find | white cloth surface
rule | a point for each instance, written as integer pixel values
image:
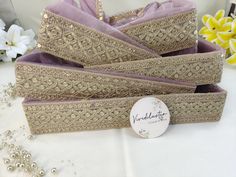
(29, 11)
(189, 150)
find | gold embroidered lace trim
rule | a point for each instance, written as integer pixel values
(75, 42)
(166, 34)
(55, 83)
(55, 117)
(201, 68)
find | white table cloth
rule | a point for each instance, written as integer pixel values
(189, 150)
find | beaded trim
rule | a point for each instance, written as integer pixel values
(166, 34)
(56, 83)
(201, 68)
(75, 42)
(69, 116)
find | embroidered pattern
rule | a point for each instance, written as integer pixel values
(73, 41)
(166, 34)
(56, 117)
(201, 68)
(55, 83)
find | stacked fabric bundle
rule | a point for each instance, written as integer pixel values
(90, 69)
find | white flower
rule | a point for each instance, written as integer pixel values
(30, 33)
(4, 57)
(2, 25)
(16, 41)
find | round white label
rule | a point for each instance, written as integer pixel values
(149, 117)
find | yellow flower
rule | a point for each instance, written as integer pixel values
(229, 39)
(232, 58)
(214, 25)
(222, 31)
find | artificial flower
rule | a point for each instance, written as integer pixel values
(232, 45)
(214, 25)
(16, 41)
(2, 25)
(4, 57)
(229, 38)
(30, 33)
(222, 31)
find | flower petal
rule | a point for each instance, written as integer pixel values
(225, 36)
(225, 45)
(6, 58)
(205, 18)
(30, 33)
(220, 14)
(232, 45)
(226, 27)
(212, 24)
(11, 53)
(20, 48)
(224, 20)
(211, 37)
(204, 31)
(232, 59)
(14, 33)
(233, 26)
(25, 40)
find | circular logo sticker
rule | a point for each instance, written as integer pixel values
(149, 117)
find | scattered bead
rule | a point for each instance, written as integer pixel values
(42, 173)
(30, 137)
(53, 170)
(33, 165)
(6, 161)
(13, 155)
(10, 168)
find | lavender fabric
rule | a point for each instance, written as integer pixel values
(153, 10)
(49, 60)
(45, 59)
(70, 10)
(86, 15)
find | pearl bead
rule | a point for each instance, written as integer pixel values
(33, 165)
(30, 137)
(10, 168)
(6, 161)
(53, 170)
(42, 173)
(28, 155)
(13, 155)
(22, 165)
(18, 165)
(8, 132)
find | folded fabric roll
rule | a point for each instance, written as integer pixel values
(75, 34)
(71, 34)
(203, 67)
(45, 77)
(164, 27)
(205, 105)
